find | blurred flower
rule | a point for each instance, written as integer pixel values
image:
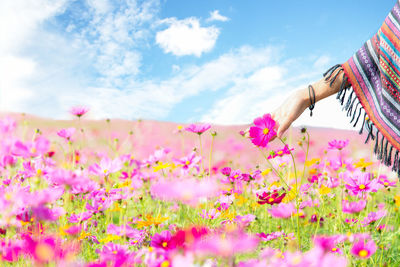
(374, 216)
(211, 214)
(188, 191)
(283, 210)
(263, 131)
(353, 207)
(106, 166)
(66, 133)
(198, 128)
(338, 144)
(79, 111)
(363, 249)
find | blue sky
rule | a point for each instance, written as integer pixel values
(218, 61)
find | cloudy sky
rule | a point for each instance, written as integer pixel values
(218, 61)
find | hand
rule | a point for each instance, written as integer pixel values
(290, 110)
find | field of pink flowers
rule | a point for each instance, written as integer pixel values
(144, 193)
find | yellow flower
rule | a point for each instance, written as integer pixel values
(312, 161)
(110, 238)
(397, 200)
(240, 200)
(362, 164)
(265, 172)
(83, 235)
(161, 166)
(323, 190)
(150, 220)
(228, 215)
(290, 195)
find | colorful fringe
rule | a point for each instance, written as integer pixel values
(373, 72)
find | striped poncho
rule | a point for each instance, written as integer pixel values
(370, 91)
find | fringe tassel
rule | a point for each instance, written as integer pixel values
(382, 148)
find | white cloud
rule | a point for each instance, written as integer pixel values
(216, 16)
(186, 37)
(268, 87)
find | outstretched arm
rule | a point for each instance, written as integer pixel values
(299, 100)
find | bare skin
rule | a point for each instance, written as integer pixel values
(299, 100)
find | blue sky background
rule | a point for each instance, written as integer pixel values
(219, 61)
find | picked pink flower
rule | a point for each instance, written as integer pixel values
(363, 249)
(79, 111)
(262, 131)
(198, 128)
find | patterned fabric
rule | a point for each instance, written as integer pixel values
(373, 72)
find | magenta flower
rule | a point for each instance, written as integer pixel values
(126, 230)
(66, 133)
(198, 128)
(283, 210)
(263, 131)
(115, 253)
(383, 180)
(338, 144)
(270, 236)
(79, 111)
(270, 198)
(361, 183)
(163, 240)
(77, 218)
(280, 152)
(353, 207)
(362, 249)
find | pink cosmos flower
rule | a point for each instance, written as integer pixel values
(198, 128)
(373, 217)
(353, 207)
(359, 183)
(79, 111)
(77, 218)
(7, 125)
(263, 130)
(188, 191)
(211, 214)
(66, 133)
(188, 162)
(363, 249)
(227, 244)
(163, 240)
(383, 180)
(115, 253)
(126, 230)
(270, 236)
(106, 166)
(338, 144)
(283, 210)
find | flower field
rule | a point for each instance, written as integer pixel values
(145, 193)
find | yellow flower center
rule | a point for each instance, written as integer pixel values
(385, 183)
(115, 252)
(265, 131)
(165, 264)
(363, 253)
(164, 244)
(334, 249)
(187, 162)
(279, 152)
(270, 199)
(105, 171)
(361, 186)
(39, 172)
